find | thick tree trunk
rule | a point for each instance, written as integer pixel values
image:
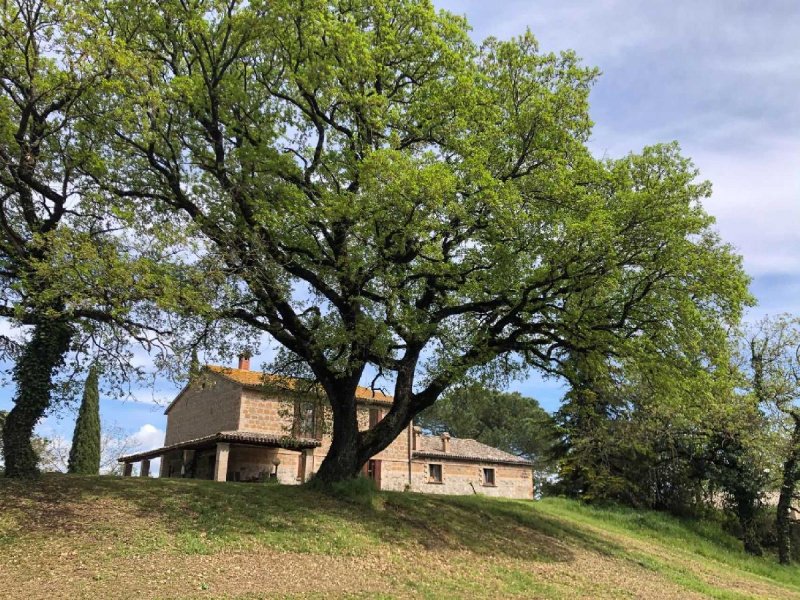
(783, 523)
(342, 461)
(33, 374)
(351, 449)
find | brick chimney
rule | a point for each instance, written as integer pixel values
(445, 442)
(415, 442)
(244, 361)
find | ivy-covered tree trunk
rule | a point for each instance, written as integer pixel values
(33, 374)
(84, 456)
(783, 523)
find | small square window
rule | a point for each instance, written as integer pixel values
(488, 477)
(435, 473)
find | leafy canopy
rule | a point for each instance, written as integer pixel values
(377, 193)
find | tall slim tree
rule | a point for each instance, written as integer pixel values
(382, 194)
(84, 455)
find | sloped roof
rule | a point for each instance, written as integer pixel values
(243, 437)
(257, 379)
(430, 446)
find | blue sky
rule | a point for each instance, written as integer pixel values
(721, 77)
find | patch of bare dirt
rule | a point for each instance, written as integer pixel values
(59, 572)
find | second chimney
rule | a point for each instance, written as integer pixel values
(445, 442)
(244, 362)
(416, 432)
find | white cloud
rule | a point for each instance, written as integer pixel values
(757, 204)
(148, 437)
(152, 396)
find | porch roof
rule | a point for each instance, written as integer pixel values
(250, 438)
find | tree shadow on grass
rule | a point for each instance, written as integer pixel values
(210, 516)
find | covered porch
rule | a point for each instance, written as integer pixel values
(231, 456)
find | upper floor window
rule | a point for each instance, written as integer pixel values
(306, 420)
(375, 415)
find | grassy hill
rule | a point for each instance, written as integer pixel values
(103, 537)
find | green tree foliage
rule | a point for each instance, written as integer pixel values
(771, 353)
(84, 455)
(66, 269)
(682, 437)
(508, 421)
(739, 472)
(651, 435)
(374, 191)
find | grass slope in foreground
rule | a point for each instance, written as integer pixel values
(104, 537)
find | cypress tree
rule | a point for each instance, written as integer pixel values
(84, 456)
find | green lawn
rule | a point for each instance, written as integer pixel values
(104, 537)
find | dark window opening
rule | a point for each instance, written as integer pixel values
(306, 420)
(488, 477)
(375, 415)
(435, 473)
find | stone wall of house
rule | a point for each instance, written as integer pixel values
(394, 459)
(265, 414)
(464, 478)
(209, 405)
(213, 404)
(246, 463)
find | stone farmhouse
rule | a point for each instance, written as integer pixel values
(242, 425)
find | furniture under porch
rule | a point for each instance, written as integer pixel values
(231, 456)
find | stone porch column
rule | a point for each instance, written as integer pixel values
(309, 463)
(127, 470)
(144, 471)
(221, 463)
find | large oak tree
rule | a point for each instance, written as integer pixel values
(384, 197)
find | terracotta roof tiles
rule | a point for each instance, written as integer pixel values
(430, 446)
(258, 379)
